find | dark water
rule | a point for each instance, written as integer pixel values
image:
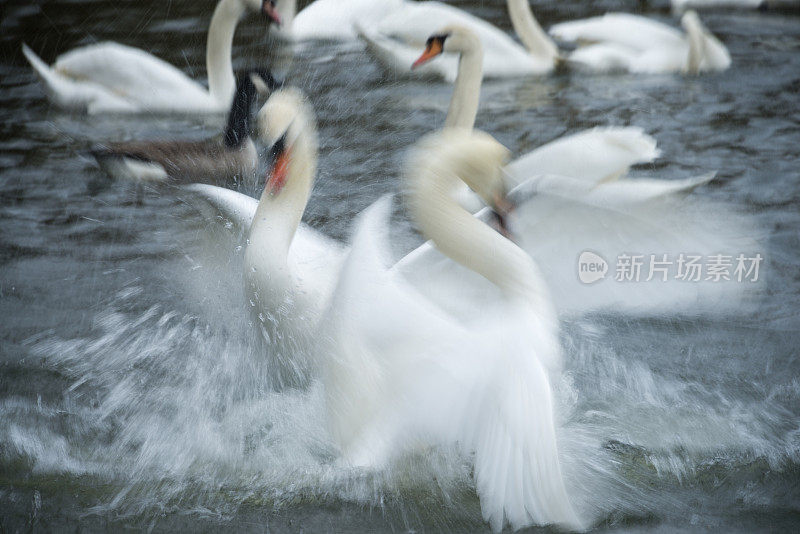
(132, 390)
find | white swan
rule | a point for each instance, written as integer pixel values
(624, 42)
(332, 19)
(110, 77)
(402, 373)
(394, 40)
(595, 156)
(290, 269)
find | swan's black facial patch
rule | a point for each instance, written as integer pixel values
(277, 149)
(436, 40)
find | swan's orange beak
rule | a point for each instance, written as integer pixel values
(268, 10)
(433, 47)
(276, 178)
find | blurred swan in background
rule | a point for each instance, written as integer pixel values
(332, 19)
(597, 156)
(393, 42)
(630, 43)
(111, 77)
(414, 375)
(216, 160)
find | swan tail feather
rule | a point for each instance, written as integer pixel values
(53, 83)
(642, 146)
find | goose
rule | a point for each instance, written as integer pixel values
(111, 77)
(290, 269)
(630, 43)
(393, 41)
(401, 374)
(597, 156)
(210, 160)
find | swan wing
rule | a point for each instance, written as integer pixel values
(234, 209)
(595, 156)
(502, 410)
(559, 217)
(413, 374)
(630, 31)
(135, 76)
(314, 258)
(377, 325)
(633, 190)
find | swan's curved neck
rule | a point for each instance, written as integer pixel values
(529, 31)
(278, 215)
(468, 241)
(697, 44)
(466, 90)
(221, 82)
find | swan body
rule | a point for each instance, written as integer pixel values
(110, 77)
(415, 375)
(334, 19)
(211, 161)
(393, 41)
(630, 43)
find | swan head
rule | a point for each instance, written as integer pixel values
(474, 157)
(450, 39)
(478, 159)
(280, 123)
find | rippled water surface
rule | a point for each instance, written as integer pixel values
(132, 386)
